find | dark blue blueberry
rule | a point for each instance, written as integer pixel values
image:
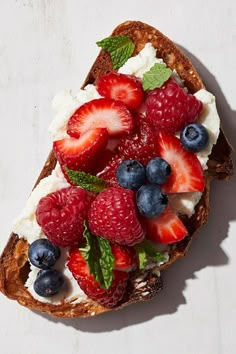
(158, 170)
(194, 137)
(131, 174)
(43, 254)
(151, 201)
(48, 282)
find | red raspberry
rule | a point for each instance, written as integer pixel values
(91, 288)
(170, 108)
(113, 215)
(61, 215)
(139, 145)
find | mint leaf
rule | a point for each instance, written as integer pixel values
(156, 76)
(147, 250)
(119, 47)
(142, 257)
(86, 181)
(98, 255)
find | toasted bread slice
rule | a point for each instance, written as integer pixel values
(14, 266)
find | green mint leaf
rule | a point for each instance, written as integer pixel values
(147, 250)
(106, 261)
(142, 257)
(156, 76)
(120, 48)
(86, 181)
(98, 255)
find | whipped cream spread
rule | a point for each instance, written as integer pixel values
(64, 105)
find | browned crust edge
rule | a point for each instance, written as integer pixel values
(13, 261)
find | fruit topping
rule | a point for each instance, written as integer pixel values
(169, 108)
(61, 215)
(140, 144)
(48, 282)
(81, 272)
(194, 137)
(43, 254)
(113, 215)
(101, 113)
(151, 201)
(167, 228)
(124, 88)
(186, 171)
(158, 171)
(131, 174)
(125, 258)
(81, 154)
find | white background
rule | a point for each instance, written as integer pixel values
(49, 45)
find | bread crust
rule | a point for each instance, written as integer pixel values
(14, 265)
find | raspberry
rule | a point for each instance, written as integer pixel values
(91, 288)
(170, 108)
(139, 145)
(113, 215)
(61, 215)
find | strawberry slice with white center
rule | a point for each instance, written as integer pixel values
(101, 113)
(81, 154)
(186, 171)
(119, 87)
(166, 228)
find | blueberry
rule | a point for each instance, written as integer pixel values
(131, 174)
(43, 254)
(158, 170)
(151, 201)
(48, 282)
(194, 137)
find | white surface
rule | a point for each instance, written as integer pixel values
(49, 45)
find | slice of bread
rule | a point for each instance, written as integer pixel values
(14, 266)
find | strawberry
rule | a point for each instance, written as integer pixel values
(119, 87)
(80, 270)
(81, 154)
(113, 215)
(101, 113)
(166, 228)
(125, 257)
(186, 171)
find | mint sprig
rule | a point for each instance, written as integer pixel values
(120, 48)
(146, 250)
(86, 181)
(156, 76)
(98, 255)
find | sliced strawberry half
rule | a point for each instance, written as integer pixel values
(186, 171)
(80, 154)
(119, 87)
(125, 257)
(101, 113)
(167, 228)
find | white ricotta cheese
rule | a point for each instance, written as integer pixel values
(211, 121)
(71, 291)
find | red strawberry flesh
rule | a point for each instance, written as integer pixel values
(91, 288)
(119, 87)
(186, 171)
(167, 228)
(81, 154)
(101, 113)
